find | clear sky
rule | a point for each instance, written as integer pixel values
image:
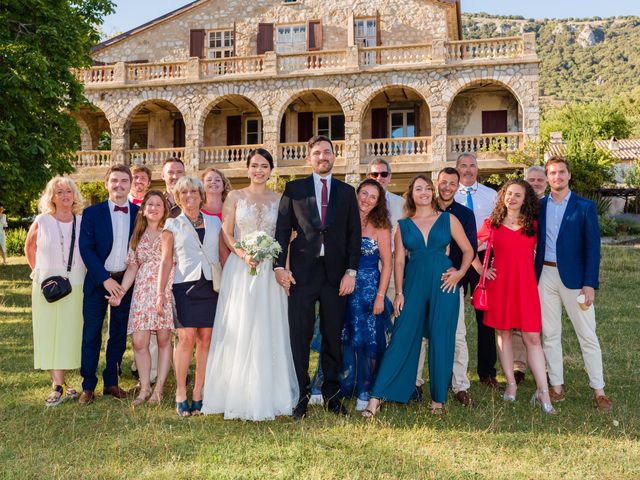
(131, 13)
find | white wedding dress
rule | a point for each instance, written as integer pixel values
(250, 372)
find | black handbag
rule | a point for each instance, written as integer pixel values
(56, 287)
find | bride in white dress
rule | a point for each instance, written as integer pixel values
(250, 372)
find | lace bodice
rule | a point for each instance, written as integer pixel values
(251, 216)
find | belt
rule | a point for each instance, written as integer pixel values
(550, 264)
(117, 276)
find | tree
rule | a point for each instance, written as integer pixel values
(41, 41)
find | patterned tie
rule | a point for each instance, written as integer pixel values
(469, 203)
(116, 208)
(324, 201)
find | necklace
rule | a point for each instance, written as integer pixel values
(198, 221)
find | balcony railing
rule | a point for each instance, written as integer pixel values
(145, 72)
(225, 154)
(493, 142)
(231, 66)
(152, 156)
(318, 60)
(349, 59)
(388, 147)
(491, 48)
(396, 55)
(92, 158)
(298, 151)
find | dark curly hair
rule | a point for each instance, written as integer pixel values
(379, 215)
(528, 211)
(409, 202)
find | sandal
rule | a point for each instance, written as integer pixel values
(438, 410)
(59, 394)
(182, 409)
(196, 407)
(142, 397)
(369, 413)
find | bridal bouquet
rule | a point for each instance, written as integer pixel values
(259, 246)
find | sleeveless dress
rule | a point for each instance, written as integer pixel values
(143, 315)
(428, 312)
(250, 372)
(57, 326)
(364, 337)
(513, 295)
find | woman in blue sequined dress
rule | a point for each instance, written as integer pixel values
(367, 319)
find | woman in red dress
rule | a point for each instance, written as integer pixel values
(511, 287)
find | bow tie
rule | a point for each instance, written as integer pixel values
(121, 209)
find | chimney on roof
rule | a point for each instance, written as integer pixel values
(613, 144)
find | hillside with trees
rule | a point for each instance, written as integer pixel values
(581, 59)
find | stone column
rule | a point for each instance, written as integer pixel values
(193, 142)
(270, 66)
(352, 141)
(119, 141)
(119, 73)
(271, 136)
(438, 136)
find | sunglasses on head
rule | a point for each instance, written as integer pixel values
(379, 174)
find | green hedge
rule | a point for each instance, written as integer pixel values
(15, 242)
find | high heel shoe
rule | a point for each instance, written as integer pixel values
(369, 413)
(546, 407)
(509, 398)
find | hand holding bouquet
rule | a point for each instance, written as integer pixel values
(259, 246)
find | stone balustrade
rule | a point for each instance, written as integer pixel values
(395, 55)
(317, 60)
(92, 158)
(213, 156)
(494, 142)
(151, 157)
(391, 147)
(491, 48)
(388, 57)
(297, 152)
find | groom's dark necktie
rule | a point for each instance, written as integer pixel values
(324, 201)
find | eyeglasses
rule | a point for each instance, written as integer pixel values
(379, 174)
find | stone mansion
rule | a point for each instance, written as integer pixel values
(213, 79)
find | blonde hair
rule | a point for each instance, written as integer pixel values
(46, 205)
(225, 181)
(187, 183)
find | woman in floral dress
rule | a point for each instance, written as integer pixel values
(143, 266)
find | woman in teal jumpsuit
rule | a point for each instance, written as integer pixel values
(427, 300)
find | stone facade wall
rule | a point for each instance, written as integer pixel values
(354, 92)
(401, 22)
(465, 115)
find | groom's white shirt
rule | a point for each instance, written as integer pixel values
(318, 187)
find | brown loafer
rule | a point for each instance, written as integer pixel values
(115, 391)
(602, 403)
(463, 397)
(86, 397)
(555, 396)
(492, 382)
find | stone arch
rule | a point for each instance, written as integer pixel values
(448, 100)
(366, 96)
(92, 122)
(290, 95)
(169, 108)
(134, 106)
(209, 102)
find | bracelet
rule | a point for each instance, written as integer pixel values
(378, 294)
(399, 293)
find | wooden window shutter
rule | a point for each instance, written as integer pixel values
(265, 38)
(234, 130)
(235, 38)
(196, 43)
(283, 129)
(178, 133)
(305, 126)
(379, 121)
(314, 39)
(378, 30)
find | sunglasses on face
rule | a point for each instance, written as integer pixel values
(379, 174)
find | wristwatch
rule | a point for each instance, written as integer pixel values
(351, 272)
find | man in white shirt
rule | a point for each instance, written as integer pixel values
(481, 199)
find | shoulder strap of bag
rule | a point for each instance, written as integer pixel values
(73, 244)
(487, 254)
(194, 234)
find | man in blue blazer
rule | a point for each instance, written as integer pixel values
(104, 242)
(567, 265)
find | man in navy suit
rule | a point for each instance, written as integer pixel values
(567, 266)
(104, 242)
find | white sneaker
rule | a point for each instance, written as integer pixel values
(316, 400)
(361, 405)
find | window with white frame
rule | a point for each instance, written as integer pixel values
(365, 32)
(330, 125)
(221, 44)
(253, 131)
(291, 38)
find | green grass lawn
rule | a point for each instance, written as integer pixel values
(110, 439)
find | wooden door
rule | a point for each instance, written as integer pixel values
(234, 130)
(494, 121)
